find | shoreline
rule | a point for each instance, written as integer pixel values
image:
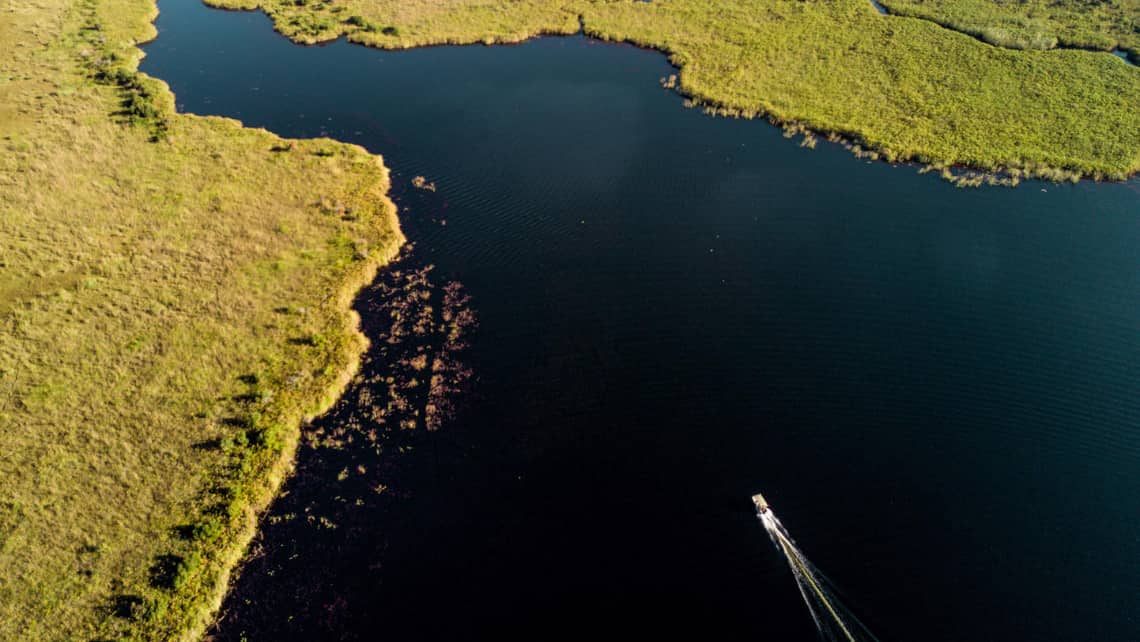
(961, 174)
(281, 465)
(277, 237)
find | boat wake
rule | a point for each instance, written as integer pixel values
(833, 620)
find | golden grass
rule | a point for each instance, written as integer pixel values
(904, 87)
(170, 312)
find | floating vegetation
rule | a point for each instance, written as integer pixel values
(419, 182)
(327, 525)
(414, 373)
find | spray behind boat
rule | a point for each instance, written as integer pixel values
(833, 621)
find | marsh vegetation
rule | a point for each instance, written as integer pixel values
(330, 519)
(905, 88)
(420, 182)
(156, 268)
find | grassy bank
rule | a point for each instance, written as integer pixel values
(904, 87)
(1104, 25)
(174, 299)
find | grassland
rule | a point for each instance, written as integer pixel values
(174, 298)
(1086, 24)
(904, 88)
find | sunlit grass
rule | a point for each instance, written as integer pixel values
(155, 273)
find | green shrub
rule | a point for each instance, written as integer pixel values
(171, 572)
(269, 437)
(206, 529)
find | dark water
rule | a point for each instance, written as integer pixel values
(935, 388)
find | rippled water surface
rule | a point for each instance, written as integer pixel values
(935, 388)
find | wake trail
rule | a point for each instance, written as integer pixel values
(833, 621)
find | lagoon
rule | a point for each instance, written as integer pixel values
(936, 388)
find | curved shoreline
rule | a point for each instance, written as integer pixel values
(996, 169)
(265, 489)
(218, 287)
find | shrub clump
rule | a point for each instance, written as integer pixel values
(206, 529)
(139, 103)
(171, 572)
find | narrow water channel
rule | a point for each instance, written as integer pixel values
(936, 388)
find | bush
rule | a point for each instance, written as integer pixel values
(139, 99)
(267, 437)
(206, 529)
(171, 572)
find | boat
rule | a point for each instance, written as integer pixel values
(761, 504)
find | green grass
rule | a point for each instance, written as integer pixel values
(906, 88)
(156, 273)
(1036, 24)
